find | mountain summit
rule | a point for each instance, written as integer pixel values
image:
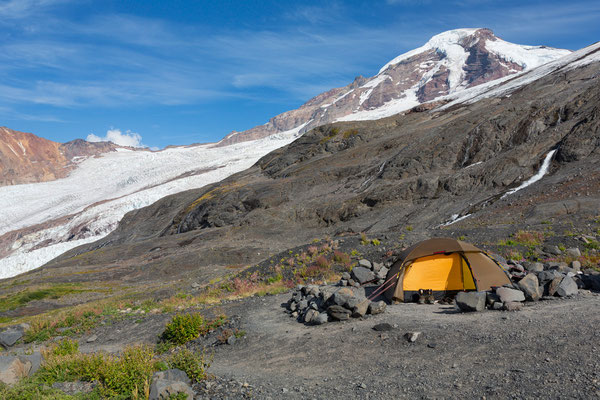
(447, 64)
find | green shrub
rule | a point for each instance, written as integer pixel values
(65, 347)
(117, 376)
(194, 364)
(375, 242)
(186, 327)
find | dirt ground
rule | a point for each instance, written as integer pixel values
(549, 350)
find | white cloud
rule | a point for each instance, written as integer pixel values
(128, 138)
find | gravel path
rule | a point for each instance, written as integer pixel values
(548, 350)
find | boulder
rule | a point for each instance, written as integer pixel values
(360, 309)
(575, 266)
(547, 276)
(573, 252)
(591, 281)
(533, 266)
(173, 374)
(320, 319)
(377, 267)
(513, 306)
(338, 313)
(531, 287)
(471, 301)
(567, 287)
(10, 336)
(508, 295)
(553, 285)
(167, 384)
(382, 274)
(163, 390)
(517, 267)
(377, 307)
(365, 264)
(12, 369)
(362, 275)
(552, 249)
(310, 314)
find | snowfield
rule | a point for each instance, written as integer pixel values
(101, 190)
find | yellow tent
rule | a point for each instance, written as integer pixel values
(446, 266)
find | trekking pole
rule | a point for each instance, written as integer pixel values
(381, 288)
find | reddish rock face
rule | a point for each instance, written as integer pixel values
(27, 158)
(450, 62)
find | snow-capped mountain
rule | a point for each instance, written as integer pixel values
(447, 64)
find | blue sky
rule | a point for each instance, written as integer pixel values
(181, 72)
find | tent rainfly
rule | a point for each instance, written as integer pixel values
(446, 266)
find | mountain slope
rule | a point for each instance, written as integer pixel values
(26, 158)
(421, 169)
(447, 64)
(87, 204)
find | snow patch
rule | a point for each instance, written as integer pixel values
(543, 170)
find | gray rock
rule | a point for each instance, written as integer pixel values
(173, 374)
(360, 309)
(92, 339)
(12, 369)
(573, 252)
(534, 266)
(567, 287)
(547, 276)
(412, 336)
(383, 327)
(553, 285)
(498, 305)
(377, 307)
(531, 287)
(302, 305)
(508, 295)
(346, 276)
(471, 301)
(10, 336)
(343, 282)
(552, 249)
(517, 267)
(292, 306)
(576, 266)
(163, 389)
(320, 319)
(377, 267)
(513, 306)
(338, 313)
(34, 359)
(362, 275)
(310, 314)
(169, 383)
(231, 340)
(365, 264)
(74, 388)
(382, 274)
(492, 298)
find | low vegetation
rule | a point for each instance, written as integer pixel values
(185, 327)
